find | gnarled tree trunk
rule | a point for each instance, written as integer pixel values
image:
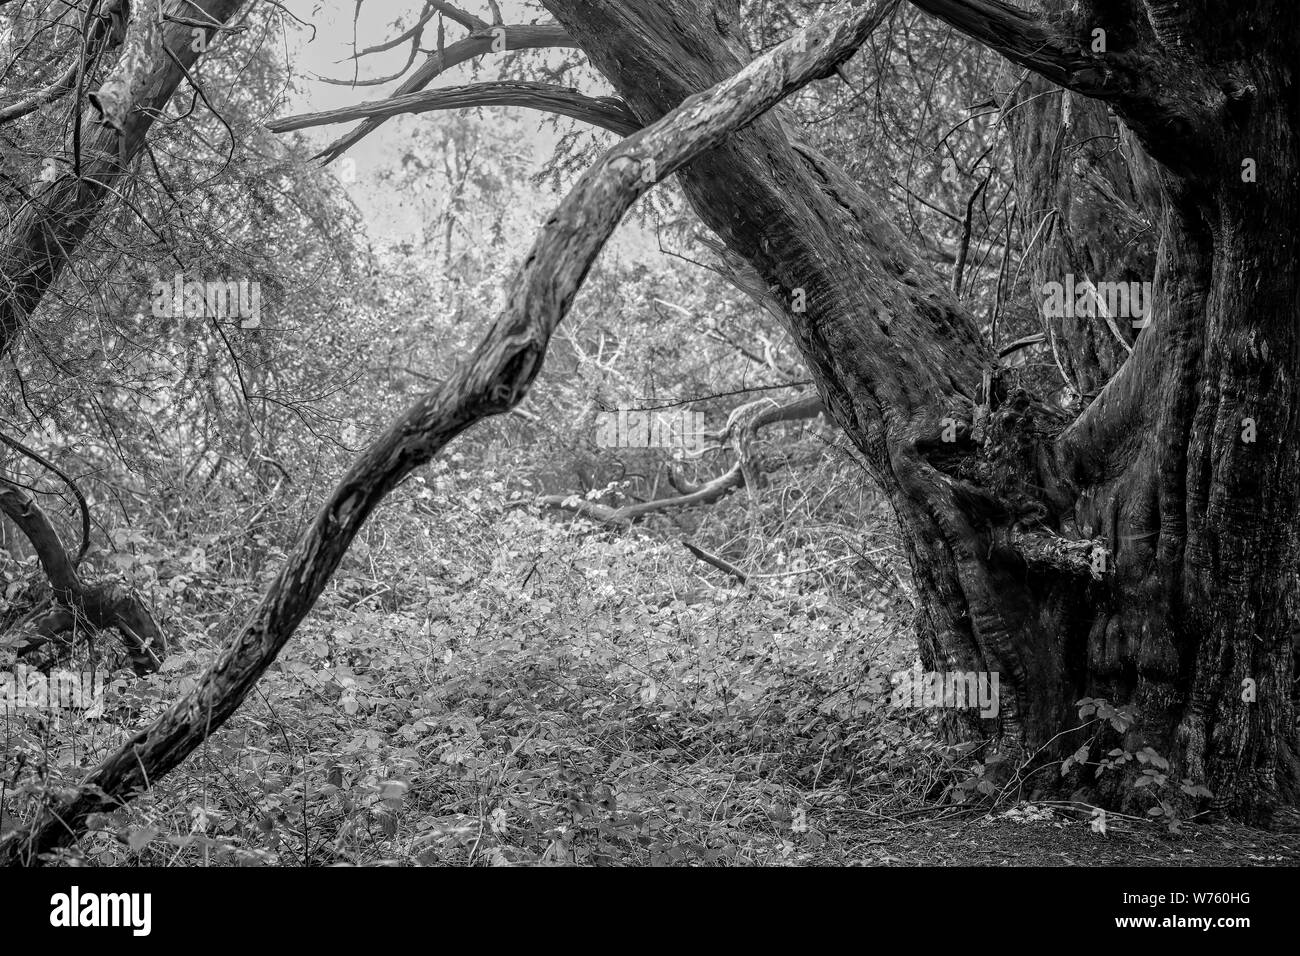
(1146, 553)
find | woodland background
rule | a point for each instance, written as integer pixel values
(495, 675)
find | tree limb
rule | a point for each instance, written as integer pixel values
(542, 36)
(606, 112)
(742, 429)
(717, 562)
(705, 494)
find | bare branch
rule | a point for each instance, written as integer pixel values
(717, 562)
(500, 39)
(104, 606)
(706, 494)
(606, 112)
(467, 20)
(743, 426)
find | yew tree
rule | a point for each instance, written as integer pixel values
(1137, 546)
(1143, 551)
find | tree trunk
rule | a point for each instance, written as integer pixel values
(1146, 554)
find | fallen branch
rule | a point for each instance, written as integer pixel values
(742, 429)
(703, 495)
(717, 562)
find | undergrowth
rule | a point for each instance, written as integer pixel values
(483, 684)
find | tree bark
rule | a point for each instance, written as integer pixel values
(1148, 554)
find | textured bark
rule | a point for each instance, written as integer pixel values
(482, 41)
(1195, 527)
(1079, 202)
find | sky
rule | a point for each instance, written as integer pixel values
(390, 215)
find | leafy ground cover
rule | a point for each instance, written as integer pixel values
(484, 685)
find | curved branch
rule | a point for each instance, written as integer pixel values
(717, 562)
(606, 112)
(23, 511)
(494, 379)
(705, 494)
(67, 480)
(105, 605)
(542, 36)
(743, 426)
(467, 20)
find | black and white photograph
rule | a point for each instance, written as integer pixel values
(778, 435)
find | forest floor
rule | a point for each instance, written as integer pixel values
(540, 697)
(1033, 835)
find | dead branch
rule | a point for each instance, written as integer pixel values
(607, 112)
(717, 562)
(742, 430)
(487, 40)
